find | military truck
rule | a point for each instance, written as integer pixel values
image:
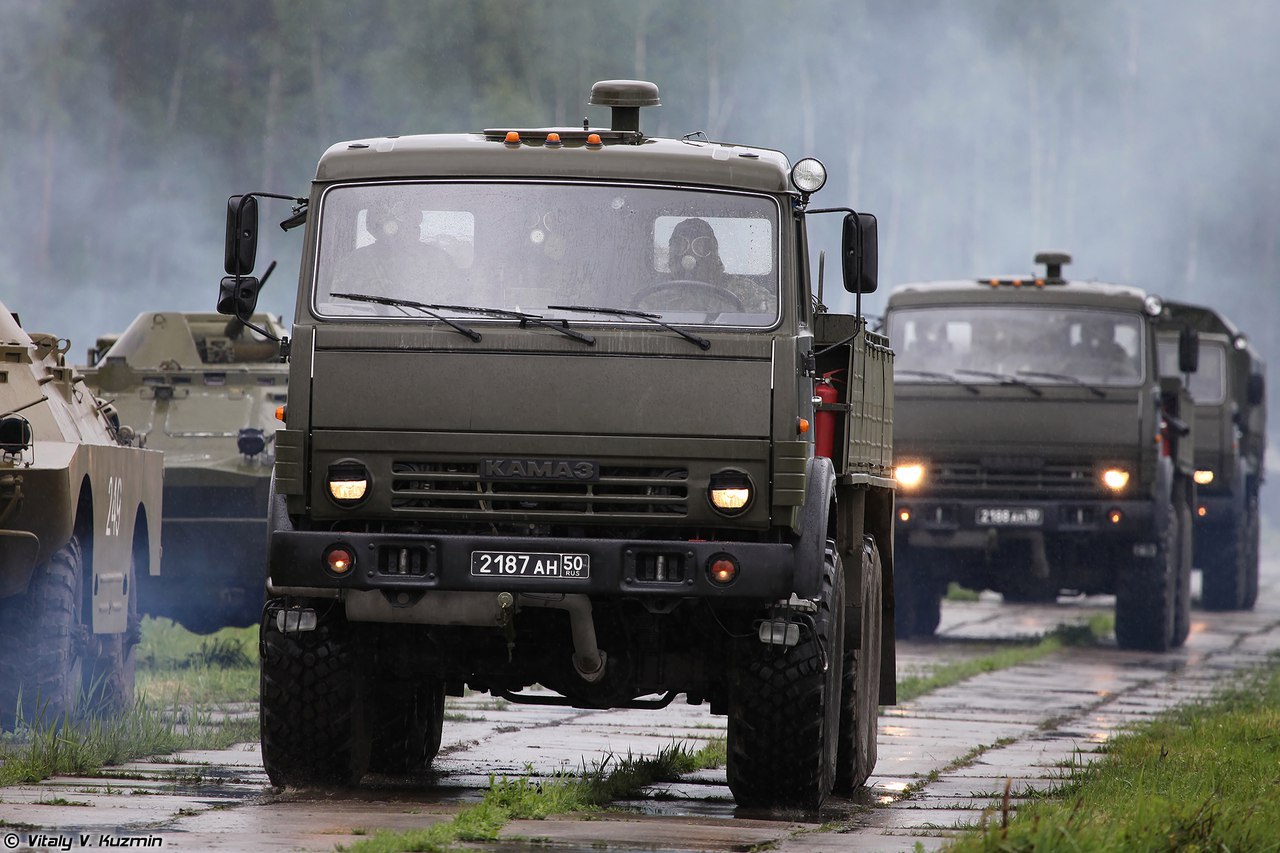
(557, 402)
(1040, 449)
(204, 390)
(1230, 444)
(79, 525)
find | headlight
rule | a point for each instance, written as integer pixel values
(1202, 478)
(730, 492)
(1153, 305)
(348, 482)
(1115, 479)
(909, 476)
(808, 175)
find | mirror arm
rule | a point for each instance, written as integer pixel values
(246, 320)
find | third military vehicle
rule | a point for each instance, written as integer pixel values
(1230, 443)
(1039, 449)
(205, 390)
(553, 421)
(79, 527)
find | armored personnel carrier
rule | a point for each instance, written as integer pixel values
(1040, 449)
(555, 419)
(1229, 389)
(203, 389)
(79, 527)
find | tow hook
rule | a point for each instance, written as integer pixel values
(782, 628)
(507, 621)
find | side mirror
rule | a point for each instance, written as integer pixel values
(238, 296)
(858, 253)
(1256, 389)
(1188, 351)
(242, 235)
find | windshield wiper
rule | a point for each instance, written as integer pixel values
(1097, 392)
(561, 326)
(409, 303)
(702, 342)
(945, 377)
(1003, 378)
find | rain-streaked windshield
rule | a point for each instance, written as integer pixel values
(1209, 382)
(694, 258)
(1094, 346)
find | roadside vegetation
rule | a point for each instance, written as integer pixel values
(525, 798)
(1200, 777)
(192, 692)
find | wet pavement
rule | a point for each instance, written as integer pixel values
(946, 759)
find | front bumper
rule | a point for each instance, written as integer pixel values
(941, 522)
(615, 568)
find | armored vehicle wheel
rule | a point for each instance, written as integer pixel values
(405, 722)
(1182, 599)
(1251, 543)
(784, 719)
(42, 639)
(860, 693)
(1225, 576)
(312, 714)
(1145, 591)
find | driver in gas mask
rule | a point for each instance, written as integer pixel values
(693, 253)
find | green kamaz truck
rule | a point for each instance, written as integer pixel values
(79, 527)
(556, 401)
(204, 389)
(1229, 390)
(1040, 449)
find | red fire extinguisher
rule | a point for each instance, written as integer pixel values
(824, 426)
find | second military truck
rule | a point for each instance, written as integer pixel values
(1040, 449)
(552, 422)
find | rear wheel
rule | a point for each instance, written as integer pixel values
(784, 718)
(860, 693)
(42, 642)
(1145, 593)
(312, 709)
(406, 720)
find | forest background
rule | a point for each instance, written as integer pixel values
(1140, 135)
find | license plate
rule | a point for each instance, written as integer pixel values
(528, 564)
(1010, 516)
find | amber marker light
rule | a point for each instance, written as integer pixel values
(513, 139)
(802, 425)
(338, 560)
(1115, 479)
(593, 140)
(904, 515)
(1202, 511)
(1115, 516)
(722, 569)
(281, 411)
(1202, 478)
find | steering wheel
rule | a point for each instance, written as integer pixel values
(682, 288)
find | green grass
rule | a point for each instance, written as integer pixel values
(955, 592)
(184, 680)
(946, 675)
(524, 798)
(1203, 777)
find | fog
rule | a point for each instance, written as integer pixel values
(1140, 136)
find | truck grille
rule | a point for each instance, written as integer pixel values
(620, 491)
(1021, 477)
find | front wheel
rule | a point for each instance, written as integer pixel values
(784, 717)
(406, 721)
(1145, 593)
(312, 714)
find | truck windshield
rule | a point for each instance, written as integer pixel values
(689, 257)
(1209, 382)
(1039, 345)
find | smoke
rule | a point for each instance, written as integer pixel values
(1137, 134)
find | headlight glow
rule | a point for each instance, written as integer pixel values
(348, 482)
(348, 490)
(730, 498)
(909, 476)
(1202, 478)
(730, 492)
(1115, 479)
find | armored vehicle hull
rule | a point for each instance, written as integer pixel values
(1040, 451)
(552, 421)
(204, 391)
(79, 527)
(1230, 445)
